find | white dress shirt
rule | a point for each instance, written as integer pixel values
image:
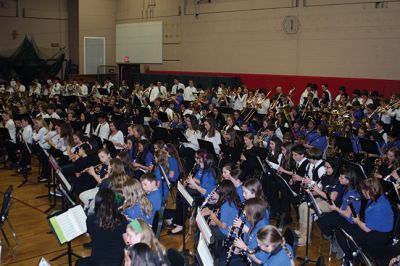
(39, 137)
(117, 138)
(264, 107)
(395, 113)
(10, 125)
(27, 134)
(192, 137)
(102, 130)
(188, 94)
(177, 87)
(216, 140)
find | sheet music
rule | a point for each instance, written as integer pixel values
(185, 194)
(69, 224)
(43, 262)
(204, 253)
(64, 181)
(204, 228)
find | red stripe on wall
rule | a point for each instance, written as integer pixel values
(383, 86)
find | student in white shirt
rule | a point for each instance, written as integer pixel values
(8, 123)
(162, 89)
(325, 89)
(153, 93)
(189, 92)
(103, 128)
(239, 100)
(177, 85)
(316, 170)
(108, 85)
(342, 90)
(212, 135)
(116, 135)
(51, 112)
(262, 104)
(84, 91)
(27, 137)
(192, 134)
(55, 89)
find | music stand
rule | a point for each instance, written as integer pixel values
(111, 147)
(344, 144)
(163, 117)
(98, 140)
(356, 166)
(188, 199)
(370, 147)
(4, 134)
(204, 228)
(225, 110)
(161, 133)
(207, 145)
(57, 229)
(203, 254)
(178, 135)
(103, 91)
(310, 204)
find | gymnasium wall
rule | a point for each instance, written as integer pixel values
(44, 20)
(337, 38)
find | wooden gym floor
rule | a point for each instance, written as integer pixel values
(28, 217)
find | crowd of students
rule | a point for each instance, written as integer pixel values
(266, 157)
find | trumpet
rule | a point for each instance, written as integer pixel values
(96, 168)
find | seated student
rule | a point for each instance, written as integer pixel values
(149, 185)
(136, 204)
(316, 169)
(379, 217)
(199, 186)
(140, 254)
(139, 231)
(341, 215)
(144, 159)
(254, 211)
(318, 140)
(271, 241)
(168, 166)
(114, 169)
(227, 207)
(235, 175)
(252, 188)
(105, 228)
(125, 158)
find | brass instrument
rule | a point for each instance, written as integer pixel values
(255, 106)
(377, 164)
(275, 103)
(286, 111)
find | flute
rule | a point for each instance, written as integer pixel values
(86, 169)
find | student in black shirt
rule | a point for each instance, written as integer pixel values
(105, 227)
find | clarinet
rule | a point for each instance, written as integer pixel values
(230, 238)
(351, 205)
(231, 248)
(208, 197)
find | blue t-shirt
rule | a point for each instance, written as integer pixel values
(281, 258)
(155, 199)
(228, 213)
(251, 240)
(173, 166)
(136, 211)
(239, 191)
(379, 215)
(177, 106)
(356, 204)
(148, 159)
(320, 142)
(207, 180)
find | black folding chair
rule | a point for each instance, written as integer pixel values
(4, 217)
(291, 239)
(155, 222)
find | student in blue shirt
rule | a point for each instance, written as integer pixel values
(318, 140)
(341, 215)
(234, 174)
(198, 186)
(252, 188)
(168, 166)
(144, 159)
(154, 194)
(136, 204)
(379, 217)
(225, 210)
(254, 211)
(271, 241)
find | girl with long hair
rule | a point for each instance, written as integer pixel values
(144, 159)
(139, 231)
(199, 185)
(168, 166)
(136, 204)
(105, 228)
(212, 135)
(225, 210)
(271, 241)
